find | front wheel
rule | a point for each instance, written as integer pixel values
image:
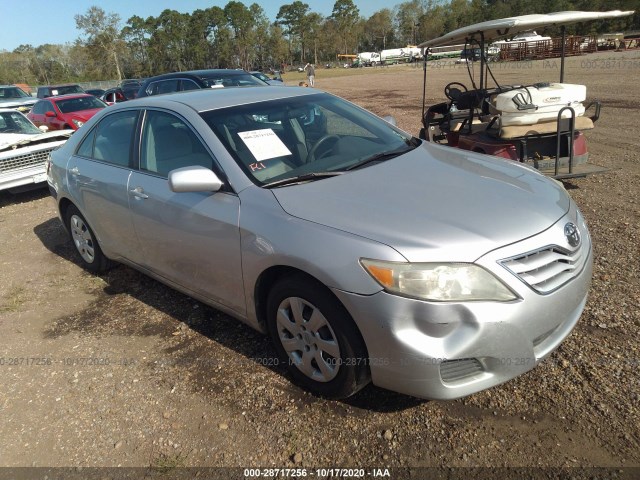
(315, 336)
(85, 242)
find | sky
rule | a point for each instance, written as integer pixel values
(37, 22)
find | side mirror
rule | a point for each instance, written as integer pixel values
(43, 128)
(391, 120)
(49, 114)
(194, 179)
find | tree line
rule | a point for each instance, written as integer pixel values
(241, 36)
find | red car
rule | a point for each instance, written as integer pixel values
(65, 111)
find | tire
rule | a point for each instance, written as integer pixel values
(316, 338)
(83, 238)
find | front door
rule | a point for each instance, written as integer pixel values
(193, 238)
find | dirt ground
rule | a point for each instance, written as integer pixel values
(120, 370)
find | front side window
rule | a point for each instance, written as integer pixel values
(168, 143)
(282, 139)
(111, 140)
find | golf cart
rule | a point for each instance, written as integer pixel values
(540, 124)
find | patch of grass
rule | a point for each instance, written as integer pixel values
(166, 463)
(293, 78)
(13, 300)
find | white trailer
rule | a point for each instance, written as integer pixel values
(394, 55)
(368, 59)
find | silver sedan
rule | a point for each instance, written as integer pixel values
(366, 254)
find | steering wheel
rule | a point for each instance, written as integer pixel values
(453, 93)
(311, 156)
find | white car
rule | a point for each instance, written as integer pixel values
(24, 150)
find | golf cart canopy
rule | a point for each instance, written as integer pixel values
(494, 29)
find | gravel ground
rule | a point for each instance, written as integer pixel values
(120, 370)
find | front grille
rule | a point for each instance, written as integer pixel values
(456, 370)
(548, 269)
(23, 161)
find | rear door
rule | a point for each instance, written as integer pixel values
(189, 238)
(37, 113)
(98, 176)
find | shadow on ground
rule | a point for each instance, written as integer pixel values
(208, 347)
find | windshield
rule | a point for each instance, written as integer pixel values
(15, 122)
(292, 137)
(81, 103)
(261, 76)
(12, 92)
(231, 80)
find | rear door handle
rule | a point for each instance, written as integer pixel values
(74, 171)
(138, 193)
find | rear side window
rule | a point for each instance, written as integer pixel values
(111, 140)
(163, 86)
(188, 84)
(38, 108)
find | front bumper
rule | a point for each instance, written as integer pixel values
(450, 350)
(22, 177)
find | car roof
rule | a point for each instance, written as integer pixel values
(197, 73)
(216, 98)
(54, 85)
(493, 29)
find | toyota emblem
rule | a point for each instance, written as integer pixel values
(572, 234)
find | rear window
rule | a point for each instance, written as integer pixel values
(78, 104)
(51, 91)
(63, 90)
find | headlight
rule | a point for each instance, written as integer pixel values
(438, 282)
(77, 123)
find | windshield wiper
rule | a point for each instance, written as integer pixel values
(381, 157)
(306, 177)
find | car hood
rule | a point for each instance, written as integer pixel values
(17, 102)
(434, 203)
(20, 104)
(82, 115)
(15, 140)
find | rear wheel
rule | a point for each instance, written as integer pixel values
(315, 336)
(85, 242)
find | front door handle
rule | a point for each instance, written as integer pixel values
(138, 192)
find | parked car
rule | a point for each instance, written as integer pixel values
(24, 149)
(96, 92)
(197, 79)
(12, 96)
(65, 111)
(120, 94)
(130, 82)
(24, 87)
(53, 90)
(275, 81)
(366, 253)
